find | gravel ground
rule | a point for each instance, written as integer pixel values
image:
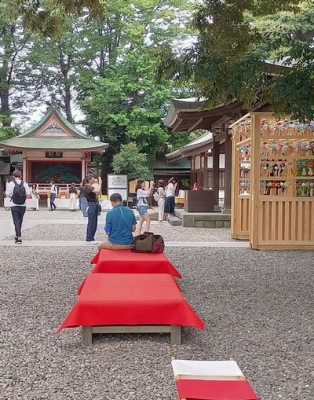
(77, 230)
(173, 233)
(257, 306)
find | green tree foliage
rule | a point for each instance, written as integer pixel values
(14, 44)
(47, 17)
(131, 162)
(7, 132)
(55, 65)
(239, 44)
(127, 105)
(101, 51)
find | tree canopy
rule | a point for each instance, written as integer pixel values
(256, 51)
(136, 165)
(47, 17)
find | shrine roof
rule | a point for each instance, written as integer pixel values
(187, 115)
(53, 132)
(203, 140)
(53, 111)
(20, 142)
(163, 163)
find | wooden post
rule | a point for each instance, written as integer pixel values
(216, 148)
(25, 172)
(255, 178)
(87, 335)
(235, 192)
(228, 169)
(175, 334)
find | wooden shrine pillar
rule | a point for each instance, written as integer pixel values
(216, 151)
(228, 173)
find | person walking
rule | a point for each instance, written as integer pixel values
(72, 193)
(53, 195)
(17, 190)
(161, 199)
(92, 210)
(142, 204)
(170, 193)
(120, 223)
(35, 191)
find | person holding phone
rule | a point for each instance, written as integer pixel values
(92, 210)
(142, 203)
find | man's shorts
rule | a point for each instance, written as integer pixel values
(110, 246)
(142, 210)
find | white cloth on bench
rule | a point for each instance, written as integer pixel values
(206, 369)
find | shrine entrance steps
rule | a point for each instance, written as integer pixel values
(203, 220)
(174, 220)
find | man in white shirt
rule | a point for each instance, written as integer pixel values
(96, 186)
(53, 195)
(18, 202)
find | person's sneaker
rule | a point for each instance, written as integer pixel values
(15, 238)
(91, 242)
(18, 241)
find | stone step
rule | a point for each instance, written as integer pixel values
(173, 220)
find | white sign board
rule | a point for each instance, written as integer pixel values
(117, 181)
(118, 184)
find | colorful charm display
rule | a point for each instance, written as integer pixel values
(286, 154)
(286, 128)
(286, 148)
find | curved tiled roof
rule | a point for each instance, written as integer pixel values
(49, 143)
(66, 136)
(53, 111)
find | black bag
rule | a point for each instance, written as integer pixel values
(148, 242)
(19, 193)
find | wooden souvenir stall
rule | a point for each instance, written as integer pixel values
(241, 169)
(273, 182)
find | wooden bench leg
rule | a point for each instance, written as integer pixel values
(87, 335)
(175, 334)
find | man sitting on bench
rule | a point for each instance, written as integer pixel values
(120, 223)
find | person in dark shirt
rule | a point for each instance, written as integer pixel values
(92, 210)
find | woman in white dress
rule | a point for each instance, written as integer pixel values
(72, 193)
(161, 200)
(170, 193)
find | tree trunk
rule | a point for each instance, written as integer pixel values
(65, 66)
(67, 101)
(4, 94)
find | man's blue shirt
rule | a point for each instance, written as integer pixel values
(119, 222)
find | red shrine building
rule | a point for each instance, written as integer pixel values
(53, 149)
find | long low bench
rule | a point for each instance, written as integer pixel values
(131, 303)
(174, 330)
